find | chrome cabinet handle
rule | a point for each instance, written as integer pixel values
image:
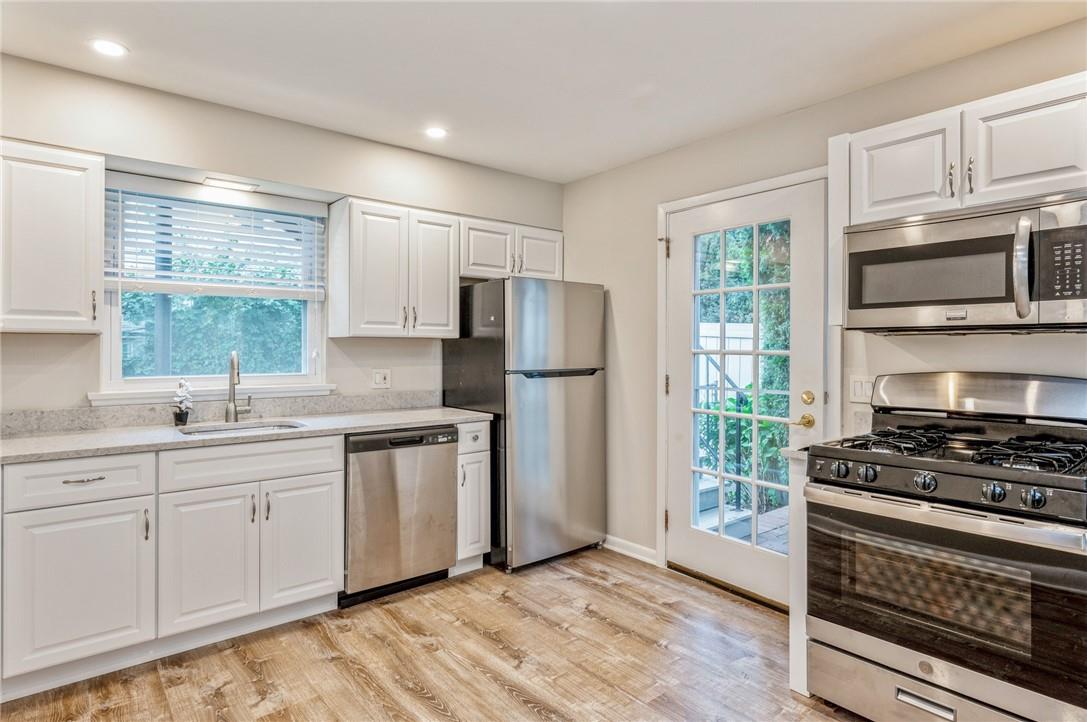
(463, 475)
(475, 437)
(951, 178)
(146, 525)
(521, 263)
(253, 512)
(414, 317)
(1020, 267)
(87, 480)
(970, 175)
(513, 262)
(94, 305)
(925, 704)
(267, 506)
(404, 323)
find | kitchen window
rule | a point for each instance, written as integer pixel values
(193, 273)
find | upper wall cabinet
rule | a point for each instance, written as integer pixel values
(905, 168)
(51, 230)
(1025, 143)
(500, 250)
(392, 272)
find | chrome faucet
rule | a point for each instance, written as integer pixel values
(233, 379)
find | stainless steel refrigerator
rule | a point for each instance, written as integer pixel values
(532, 353)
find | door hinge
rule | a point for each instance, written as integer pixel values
(666, 520)
(667, 384)
(667, 246)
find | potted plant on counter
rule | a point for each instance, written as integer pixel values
(182, 403)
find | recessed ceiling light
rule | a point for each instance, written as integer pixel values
(109, 47)
(436, 133)
(229, 184)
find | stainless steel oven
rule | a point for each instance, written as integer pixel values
(1020, 265)
(986, 606)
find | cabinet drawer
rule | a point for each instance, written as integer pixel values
(41, 484)
(182, 469)
(473, 437)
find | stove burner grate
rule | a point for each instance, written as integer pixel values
(1036, 454)
(897, 441)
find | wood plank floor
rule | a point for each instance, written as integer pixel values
(592, 636)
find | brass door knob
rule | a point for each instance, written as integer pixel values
(807, 421)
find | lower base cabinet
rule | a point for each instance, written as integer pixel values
(79, 580)
(209, 557)
(473, 504)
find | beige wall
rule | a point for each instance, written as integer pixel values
(47, 104)
(610, 227)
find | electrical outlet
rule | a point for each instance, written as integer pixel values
(382, 379)
(860, 389)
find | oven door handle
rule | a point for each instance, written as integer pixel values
(1041, 534)
(1021, 267)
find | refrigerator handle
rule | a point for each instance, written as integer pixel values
(564, 373)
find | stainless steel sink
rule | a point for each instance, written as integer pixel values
(256, 426)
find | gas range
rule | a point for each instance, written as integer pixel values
(1033, 470)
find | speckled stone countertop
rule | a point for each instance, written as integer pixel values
(102, 442)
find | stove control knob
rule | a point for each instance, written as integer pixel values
(995, 493)
(866, 473)
(925, 482)
(839, 469)
(1033, 498)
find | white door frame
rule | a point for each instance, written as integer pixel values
(663, 211)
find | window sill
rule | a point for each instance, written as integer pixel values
(126, 397)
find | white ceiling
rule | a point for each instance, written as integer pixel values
(553, 90)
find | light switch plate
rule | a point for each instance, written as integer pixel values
(382, 379)
(860, 389)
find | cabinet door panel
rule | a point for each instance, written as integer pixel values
(435, 264)
(78, 581)
(473, 504)
(379, 270)
(1028, 142)
(539, 253)
(903, 169)
(301, 539)
(51, 230)
(486, 249)
(208, 557)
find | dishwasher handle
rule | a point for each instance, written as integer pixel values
(387, 440)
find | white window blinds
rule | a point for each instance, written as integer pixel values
(162, 244)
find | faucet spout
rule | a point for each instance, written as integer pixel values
(234, 378)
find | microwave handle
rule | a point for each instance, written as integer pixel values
(1021, 267)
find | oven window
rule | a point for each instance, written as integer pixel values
(982, 601)
(934, 279)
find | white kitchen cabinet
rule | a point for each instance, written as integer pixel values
(473, 504)
(539, 253)
(368, 270)
(79, 580)
(434, 288)
(487, 249)
(209, 556)
(1027, 142)
(906, 168)
(301, 538)
(51, 235)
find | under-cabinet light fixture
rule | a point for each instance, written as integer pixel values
(436, 133)
(229, 184)
(109, 47)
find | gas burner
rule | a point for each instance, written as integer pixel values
(897, 441)
(1034, 454)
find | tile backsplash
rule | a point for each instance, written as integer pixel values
(26, 422)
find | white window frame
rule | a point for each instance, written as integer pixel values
(115, 390)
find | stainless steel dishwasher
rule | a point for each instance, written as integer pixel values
(401, 508)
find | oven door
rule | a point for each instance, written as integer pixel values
(966, 272)
(991, 608)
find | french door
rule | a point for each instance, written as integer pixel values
(745, 319)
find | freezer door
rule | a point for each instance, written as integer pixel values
(554, 325)
(555, 465)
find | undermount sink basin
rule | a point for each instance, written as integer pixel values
(256, 426)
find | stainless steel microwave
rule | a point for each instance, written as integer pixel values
(1017, 265)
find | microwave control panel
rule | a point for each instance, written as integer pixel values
(1064, 264)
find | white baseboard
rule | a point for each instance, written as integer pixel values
(631, 549)
(80, 669)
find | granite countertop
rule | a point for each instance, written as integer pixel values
(125, 440)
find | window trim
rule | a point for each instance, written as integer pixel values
(114, 389)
